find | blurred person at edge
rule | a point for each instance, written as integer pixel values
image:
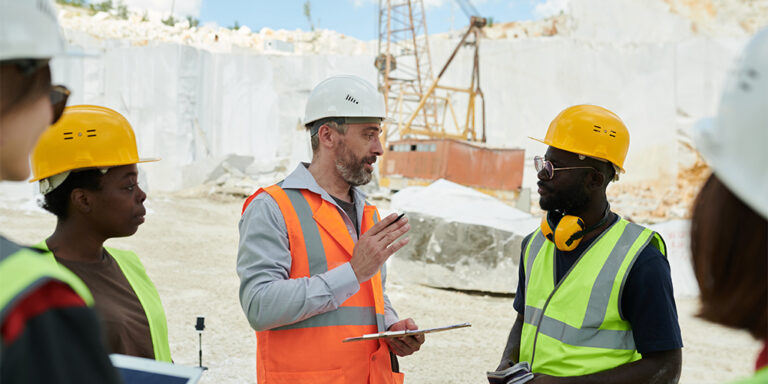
(48, 332)
(729, 225)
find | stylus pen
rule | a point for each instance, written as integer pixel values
(396, 220)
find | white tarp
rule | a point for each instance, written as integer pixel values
(677, 236)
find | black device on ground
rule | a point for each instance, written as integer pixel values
(200, 326)
(517, 374)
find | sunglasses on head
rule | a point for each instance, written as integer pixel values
(544, 167)
(59, 95)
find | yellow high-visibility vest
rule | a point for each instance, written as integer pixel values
(575, 327)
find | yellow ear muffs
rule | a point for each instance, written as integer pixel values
(568, 233)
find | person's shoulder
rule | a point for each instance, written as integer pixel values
(527, 239)
(650, 253)
(8, 246)
(51, 295)
(262, 209)
(261, 204)
(650, 263)
(123, 254)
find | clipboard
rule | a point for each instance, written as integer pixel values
(403, 333)
(135, 370)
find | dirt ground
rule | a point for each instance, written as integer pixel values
(189, 246)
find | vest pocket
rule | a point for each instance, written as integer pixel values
(398, 377)
(333, 376)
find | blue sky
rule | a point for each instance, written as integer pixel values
(357, 18)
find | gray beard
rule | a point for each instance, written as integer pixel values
(355, 175)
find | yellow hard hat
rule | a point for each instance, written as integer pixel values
(86, 136)
(591, 131)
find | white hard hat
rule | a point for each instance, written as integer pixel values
(344, 96)
(734, 142)
(29, 29)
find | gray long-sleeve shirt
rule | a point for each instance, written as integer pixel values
(271, 299)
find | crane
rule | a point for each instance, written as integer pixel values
(413, 95)
(429, 140)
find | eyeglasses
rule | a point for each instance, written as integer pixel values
(549, 169)
(59, 95)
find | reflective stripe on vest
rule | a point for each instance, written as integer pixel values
(317, 262)
(145, 291)
(23, 270)
(319, 241)
(605, 266)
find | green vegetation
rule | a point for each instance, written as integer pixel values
(193, 22)
(104, 6)
(119, 9)
(75, 3)
(122, 10)
(308, 15)
(169, 21)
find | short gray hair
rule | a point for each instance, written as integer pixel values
(335, 124)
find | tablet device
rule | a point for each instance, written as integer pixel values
(393, 334)
(138, 370)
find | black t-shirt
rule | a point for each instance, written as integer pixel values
(647, 301)
(350, 210)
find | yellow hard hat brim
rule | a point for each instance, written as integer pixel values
(144, 160)
(621, 170)
(539, 140)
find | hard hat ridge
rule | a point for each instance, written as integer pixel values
(344, 96)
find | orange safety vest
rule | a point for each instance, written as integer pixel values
(311, 350)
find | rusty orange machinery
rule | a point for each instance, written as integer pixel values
(498, 172)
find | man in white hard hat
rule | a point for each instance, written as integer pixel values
(48, 332)
(312, 253)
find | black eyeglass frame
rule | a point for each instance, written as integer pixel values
(541, 164)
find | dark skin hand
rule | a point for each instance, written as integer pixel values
(512, 351)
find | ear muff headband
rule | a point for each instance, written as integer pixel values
(576, 236)
(567, 233)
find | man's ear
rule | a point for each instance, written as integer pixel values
(596, 180)
(328, 136)
(80, 200)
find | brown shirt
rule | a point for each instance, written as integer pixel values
(125, 323)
